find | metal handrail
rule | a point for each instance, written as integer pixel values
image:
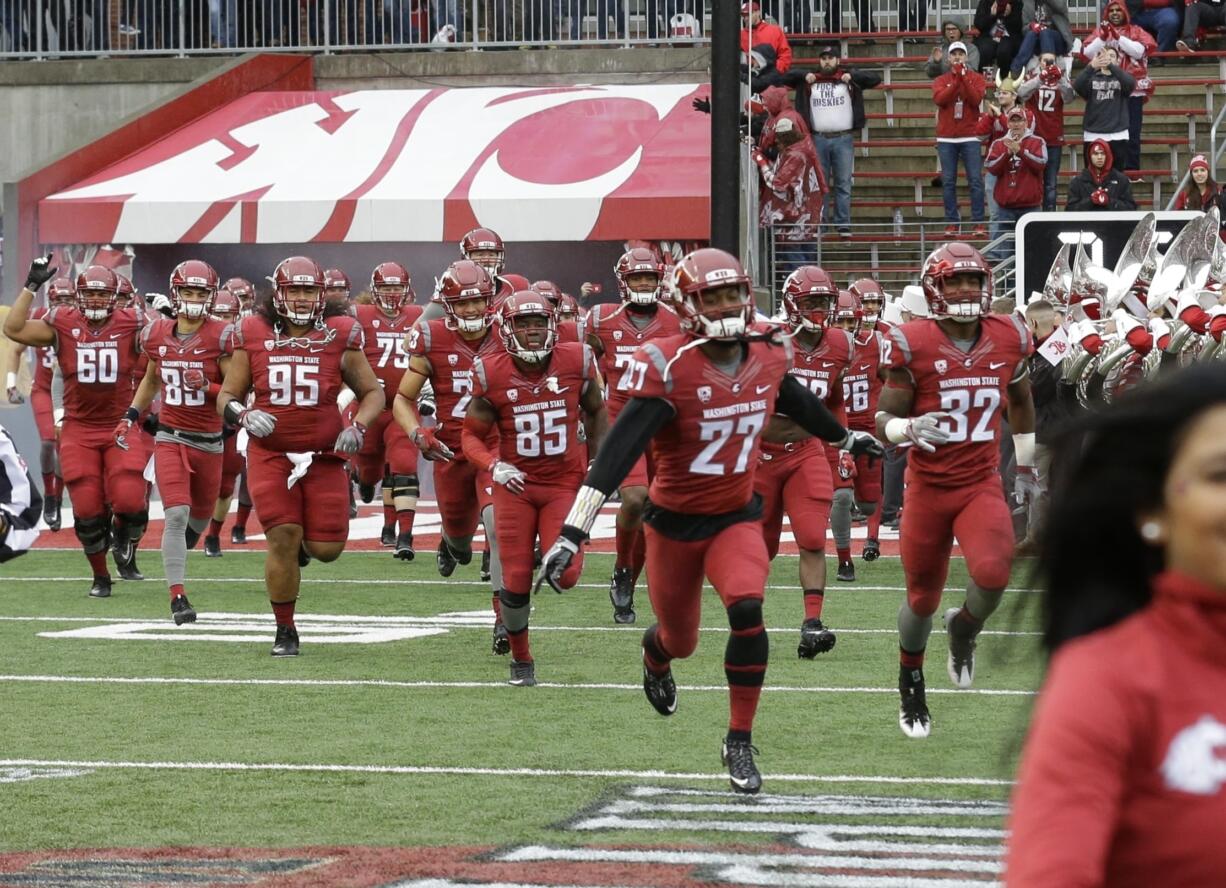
(1215, 152)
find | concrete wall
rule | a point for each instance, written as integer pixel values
(50, 107)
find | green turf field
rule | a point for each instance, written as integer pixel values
(355, 718)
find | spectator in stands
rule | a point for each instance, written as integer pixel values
(1044, 91)
(1196, 15)
(958, 94)
(1132, 45)
(831, 100)
(1199, 192)
(764, 33)
(1106, 88)
(796, 16)
(912, 16)
(1045, 29)
(1098, 186)
(992, 125)
(999, 23)
(791, 201)
(1161, 18)
(759, 66)
(1017, 160)
(938, 61)
(834, 15)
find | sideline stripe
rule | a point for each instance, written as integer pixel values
(491, 772)
(259, 581)
(443, 685)
(442, 622)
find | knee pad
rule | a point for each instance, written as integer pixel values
(866, 508)
(134, 523)
(515, 610)
(745, 614)
(403, 485)
(94, 533)
(511, 599)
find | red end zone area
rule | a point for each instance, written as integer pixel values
(365, 529)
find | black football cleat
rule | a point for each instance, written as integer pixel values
(182, 610)
(872, 550)
(846, 572)
(404, 547)
(191, 537)
(124, 553)
(814, 639)
(101, 588)
(537, 558)
(366, 492)
(485, 566)
(304, 557)
(212, 547)
(388, 536)
(743, 774)
(913, 716)
(523, 674)
(445, 560)
(238, 535)
(621, 594)
(353, 505)
(286, 643)
(51, 512)
(960, 664)
(661, 691)
(502, 640)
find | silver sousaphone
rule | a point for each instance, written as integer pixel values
(1137, 263)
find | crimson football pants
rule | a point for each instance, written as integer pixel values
(977, 515)
(44, 413)
(796, 481)
(518, 520)
(98, 473)
(387, 445)
(187, 477)
(232, 465)
(462, 491)
(318, 502)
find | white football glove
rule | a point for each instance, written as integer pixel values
(1026, 486)
(509, 477)
(350, 439)
(925, 431)
(258, 423)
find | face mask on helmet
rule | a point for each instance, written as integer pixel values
(721, 312)
(810, 311)
(96, 303)
(193, 302)
(529, 330)
(483, 246)
(465, 290)
(965, 297)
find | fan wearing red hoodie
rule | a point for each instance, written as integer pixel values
(1133, 46)
(755, 32)
(1098, 186)
(958, 94)
(1017, 160)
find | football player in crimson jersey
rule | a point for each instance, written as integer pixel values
(337, 289)
(615, 331)
(950, 377)
(388, 454)
(703, 397)
(296, 354)
(794, 473)
(537, 392)
(60, 291)
(226, 309)
(858, 481)
(96, 349)
(244, 292)
(872, 300)
(441, 352)
(568, 329)
(187, 359)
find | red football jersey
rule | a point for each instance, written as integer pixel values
(451, 371)
(385, 344)
(820, 367)
(706, 454)
(43, 358)
(183, 408)
(862, 381)
(298, 379)
(569, 331)
(97, 363)
(621, 337)
(970, 386)
(1047, 102)
(538, 413)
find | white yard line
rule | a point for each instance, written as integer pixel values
(615, 774)
(444, 685)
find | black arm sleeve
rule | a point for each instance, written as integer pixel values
(626, 441)
(807, 409)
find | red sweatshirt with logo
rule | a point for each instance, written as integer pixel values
(1123, 777)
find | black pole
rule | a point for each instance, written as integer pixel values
(725, 126)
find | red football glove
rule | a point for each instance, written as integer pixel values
(122, 428)
(1099, 198)
(194, 380)
(430, 446)
(1036, 27)
(847, 466)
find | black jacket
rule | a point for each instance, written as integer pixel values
(1115, 183)
(860, 81)
(984, 20)
(1052, 408)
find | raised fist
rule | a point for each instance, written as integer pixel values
(1099, 197)
(40, 272)
(194, 380)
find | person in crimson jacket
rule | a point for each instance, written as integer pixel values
(999, 23)
(1044, 91)
(793, 191)
(1098, 186)
(755, 32)
(1122, 779)
(1017, 160)
(1133, 45)
(958, 94)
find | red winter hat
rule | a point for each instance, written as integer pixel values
(1198, 161)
